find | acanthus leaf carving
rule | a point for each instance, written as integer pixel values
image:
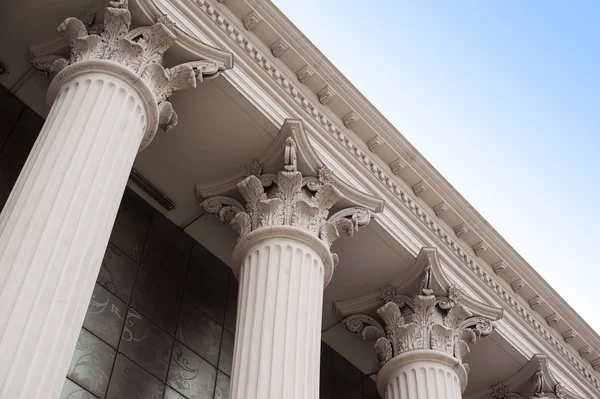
(426, 321)
(289, 199)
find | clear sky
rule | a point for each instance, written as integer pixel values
(503, 98)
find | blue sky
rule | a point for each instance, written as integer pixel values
(503, 98)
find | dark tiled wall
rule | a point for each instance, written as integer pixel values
(161, 319)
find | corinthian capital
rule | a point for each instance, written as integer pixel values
(440, 317)
(533, 381)
(287, 197)
(140, 50)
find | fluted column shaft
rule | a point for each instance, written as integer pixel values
(58, 218)
(422, 374)
(278, 330)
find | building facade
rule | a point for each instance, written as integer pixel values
(198, 204)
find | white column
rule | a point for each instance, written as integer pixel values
(283, 262)
(278, 331)
(58, 218)
(422, 374)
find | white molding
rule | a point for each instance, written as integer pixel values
(569, 335)
(535, 302)
(553, 319)
(461, 229)
(585, 351)
(518, 285)
(440, 209)
(480, 248)
(499, 267)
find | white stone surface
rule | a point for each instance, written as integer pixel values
(421, 374)
(57, 222)
(278, 331)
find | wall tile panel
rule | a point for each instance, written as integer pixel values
(157, 299)
(118, 272)
(130, 381)
(91, 363)
(105, 316)
(191, 375)
(146, 344)
(199, 332)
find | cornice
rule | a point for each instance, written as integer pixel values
(396, 187)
